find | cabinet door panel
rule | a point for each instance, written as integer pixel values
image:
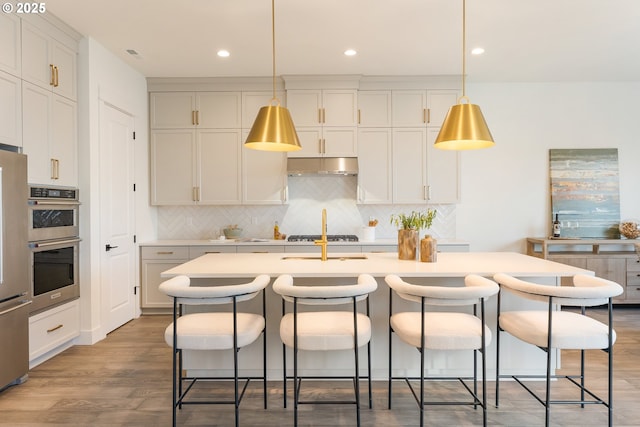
(374, 108)
(443, 172)
(220, 110)
(65, 61)
(304, 106)
(310, 140)
(35, 56)
(36, 106)
(374, 166)
(340, 142)
(408, 108)
(151, 296)
(264, 177)
(253, 101)
(219, 166)
(172, 167)
(10, 109)
(439, 102)
(171, 110)
(614, 269)
(409, 165)
(340, 107)
(64, 147)
(10, 49)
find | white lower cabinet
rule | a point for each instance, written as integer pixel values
(374, 166)
(53, 331)
(10, 110)
(155, 260)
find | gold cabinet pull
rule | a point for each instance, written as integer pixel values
(52, 79)
(424, 115)
(324, 116)
(428, 115)
(55, 72)
(319, 115)
(55, 328)
(197, 117)
(358, 116)
(193, 117)
(164, 253)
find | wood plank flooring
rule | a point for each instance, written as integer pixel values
(125, 380)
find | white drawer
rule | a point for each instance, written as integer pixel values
(54, 327)
(164, 252)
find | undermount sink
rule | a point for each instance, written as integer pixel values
(339, 258)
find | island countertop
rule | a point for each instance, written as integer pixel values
(449, 264)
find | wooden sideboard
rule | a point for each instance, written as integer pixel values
(613, 259)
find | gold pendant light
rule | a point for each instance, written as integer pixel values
(273, 128)
(464, 127)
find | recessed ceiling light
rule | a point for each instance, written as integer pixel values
(477, 51)
(350, 52)
(223, 53)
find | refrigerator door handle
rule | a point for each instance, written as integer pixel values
(15, 307)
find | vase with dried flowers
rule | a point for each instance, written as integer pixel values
(409, 226)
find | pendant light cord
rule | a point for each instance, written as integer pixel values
(273, 45)
(464, 44)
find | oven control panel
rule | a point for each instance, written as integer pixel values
(53, 193)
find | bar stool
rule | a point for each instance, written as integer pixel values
(552, 328)
(315, 330)
(442, 330)
(213, 331)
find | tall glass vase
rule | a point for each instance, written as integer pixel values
(407, 244)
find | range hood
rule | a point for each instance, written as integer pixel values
(297, 166)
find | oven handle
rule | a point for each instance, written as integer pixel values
(54, 202)
(15, 307)
(53, 243)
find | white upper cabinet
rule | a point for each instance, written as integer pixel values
(409, 108)
(49, 137)
(48, 63)
(172, 110)
(10, 109)
(326, 122)
(10, 51)
(219, 166)
(207, 110)
(173, 167)
(417, 108)
(323, 107)
(374, 108)
(438, 104)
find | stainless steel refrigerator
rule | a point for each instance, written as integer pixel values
(14, 270)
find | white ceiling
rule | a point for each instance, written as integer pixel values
(525, 40)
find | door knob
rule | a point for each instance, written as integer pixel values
(108, 247)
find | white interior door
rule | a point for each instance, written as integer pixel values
(117, 218)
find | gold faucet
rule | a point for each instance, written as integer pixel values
(323, 242)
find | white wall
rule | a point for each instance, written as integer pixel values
(506, 189)
(104, 77)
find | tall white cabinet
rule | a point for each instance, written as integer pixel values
(49, 107)
(398, 162)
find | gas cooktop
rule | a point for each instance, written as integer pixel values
(330, 237)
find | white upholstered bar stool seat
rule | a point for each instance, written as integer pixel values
(442, 330)
(230, 330)
(552, 328)
(312, 329)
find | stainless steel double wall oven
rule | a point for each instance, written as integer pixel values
(53, 238)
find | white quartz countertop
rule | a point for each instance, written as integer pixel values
(449, 264)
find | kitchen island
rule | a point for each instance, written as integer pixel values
(449, 269)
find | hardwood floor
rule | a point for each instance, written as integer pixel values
(125, 380)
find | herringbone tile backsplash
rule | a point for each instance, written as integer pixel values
(302, 215)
